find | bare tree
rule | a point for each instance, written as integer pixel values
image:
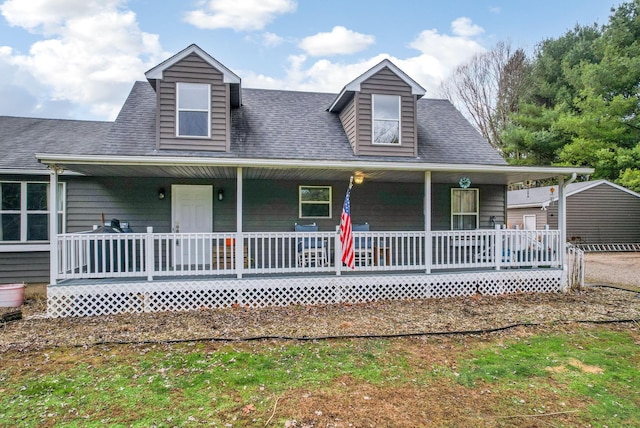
(487, 89)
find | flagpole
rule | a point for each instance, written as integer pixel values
(350, 182)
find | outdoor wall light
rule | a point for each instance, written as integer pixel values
(161, 194)
(220, 194)
(358, 178)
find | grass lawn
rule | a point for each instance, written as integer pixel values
(577, 375)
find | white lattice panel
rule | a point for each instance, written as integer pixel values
(105, 299)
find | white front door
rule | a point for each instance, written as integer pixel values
(529, 222)
(191, 212)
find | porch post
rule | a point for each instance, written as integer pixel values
(497, 247)
(337, 252)
(53, 224)
(427, 221)
(149, 253)
(562, 218)
(239, 240)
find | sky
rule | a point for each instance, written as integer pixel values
(78, 59)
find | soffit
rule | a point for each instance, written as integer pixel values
(498, 176)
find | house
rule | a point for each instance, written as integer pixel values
(209, 180)
(598, 212)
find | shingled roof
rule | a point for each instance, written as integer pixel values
(21, 137)
(540, 196)
(271, 124)
(277, 124)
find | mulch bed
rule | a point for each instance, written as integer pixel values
(387, 318)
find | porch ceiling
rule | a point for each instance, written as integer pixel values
(407, 172)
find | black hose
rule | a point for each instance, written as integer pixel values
(353, 336)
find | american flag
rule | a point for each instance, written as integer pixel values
(346, 237)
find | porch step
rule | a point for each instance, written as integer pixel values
(594, 248)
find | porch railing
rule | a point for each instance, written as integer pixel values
(90, 255)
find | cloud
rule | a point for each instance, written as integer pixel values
(340, 41)
(463, 27)
(245, 15)
(93, 53)
(271, 40)
(438, 55)
(495, 9)
(47, 16)
(444, 52)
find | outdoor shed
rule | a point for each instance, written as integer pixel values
(598, 212)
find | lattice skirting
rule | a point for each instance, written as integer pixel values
(180, 295)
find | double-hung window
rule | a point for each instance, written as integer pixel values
(315, 201)
(24, 211)
(386, 119)
(464, 209)
(194, 110)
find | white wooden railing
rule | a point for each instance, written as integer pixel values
(91, 255)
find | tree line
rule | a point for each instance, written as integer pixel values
(574, 101)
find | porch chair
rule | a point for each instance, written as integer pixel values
(311, 251)
(362, 246)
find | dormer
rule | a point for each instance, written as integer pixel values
(194, 97)
(378, 112)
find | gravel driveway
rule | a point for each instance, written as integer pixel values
(613, 269)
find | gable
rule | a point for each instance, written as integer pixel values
(357, 115)
(192, 69)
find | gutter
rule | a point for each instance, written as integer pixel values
(34, 172)
(288, 163)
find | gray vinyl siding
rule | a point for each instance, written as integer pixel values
(193, 69)
(267, 205)
(349, 120)
(603, 214)
(27, 267)
(273, 205)
(385, 82)
(516, 217)
(599, 215)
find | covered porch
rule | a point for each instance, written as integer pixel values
(160, 269)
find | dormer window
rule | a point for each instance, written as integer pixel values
(194, 110)
(386, 119)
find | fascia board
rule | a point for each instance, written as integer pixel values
(32, 172)
(157, 71)
(355, 85)
(605, 182)
(314, 164)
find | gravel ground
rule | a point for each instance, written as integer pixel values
(451, 315)
(613, 269)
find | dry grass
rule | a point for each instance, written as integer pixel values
(376, 318)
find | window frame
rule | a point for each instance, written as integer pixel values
(373, 120)
(328, 202)
(60, 207)
(463, 213)
(207, 111)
